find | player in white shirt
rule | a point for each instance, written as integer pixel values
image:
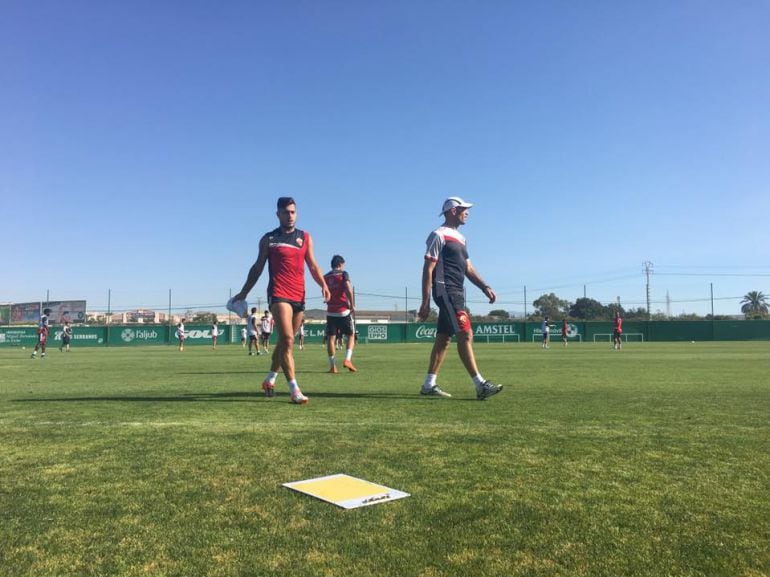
(546, 328)
(267, 323)
(66, 337)
(214, 334)
(180, 334)
(251, 329)
(243, 337)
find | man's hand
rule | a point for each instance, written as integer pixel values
(424, 311)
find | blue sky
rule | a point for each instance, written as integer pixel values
(143, 145)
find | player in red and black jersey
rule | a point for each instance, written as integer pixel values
(286, 250)
(43, 329)
(339, 313)
(444, 272)
(617, 332)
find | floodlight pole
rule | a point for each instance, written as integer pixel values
(525, 303)
(406, 304)
(712, 300)
(648, 271)
(169, 317)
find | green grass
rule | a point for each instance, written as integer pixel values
(653, 461)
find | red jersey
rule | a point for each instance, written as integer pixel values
(286, 264)
(338, 305)
(618, 324)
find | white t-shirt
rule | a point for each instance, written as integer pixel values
(252, 326)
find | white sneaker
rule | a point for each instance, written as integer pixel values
(487, 389)
(299, 399)
(240, 307)
(434, 391)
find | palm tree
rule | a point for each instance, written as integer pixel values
(754, 304)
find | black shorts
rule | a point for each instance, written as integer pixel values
(266, 336)
(344, 325)
(296, 306)
(252, 337)
(65, 340)
(452, 316)
(616, 333)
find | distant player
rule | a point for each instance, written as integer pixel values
(617, 333)
(243, 337)
(301, 335)
(445, 267)
(66, 337)
(546, 328)
(180, 334)
(252, 328)
(214, 333)
(564, 332)
(286, 250)
(42, 334)
(339, 314)
(266, 329)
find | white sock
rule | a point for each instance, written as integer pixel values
(271, 376)
(348, 354)
(430, 381)
(331, 362)
(478, 380)
(293, 387)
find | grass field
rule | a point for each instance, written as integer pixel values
(653, 461)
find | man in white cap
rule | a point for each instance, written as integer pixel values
(443, 273)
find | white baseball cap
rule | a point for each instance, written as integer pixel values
(454, 202)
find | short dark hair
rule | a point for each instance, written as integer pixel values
(253, 310)
(285, 201)
(337, 260)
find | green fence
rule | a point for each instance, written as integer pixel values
(373, 333)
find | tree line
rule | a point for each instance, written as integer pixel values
(754, 305)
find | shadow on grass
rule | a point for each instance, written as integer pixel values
(236, 396)
(231, 397)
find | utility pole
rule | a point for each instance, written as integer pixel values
(648, 271)
(525, 303)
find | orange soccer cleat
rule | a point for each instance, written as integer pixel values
(349, 366)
